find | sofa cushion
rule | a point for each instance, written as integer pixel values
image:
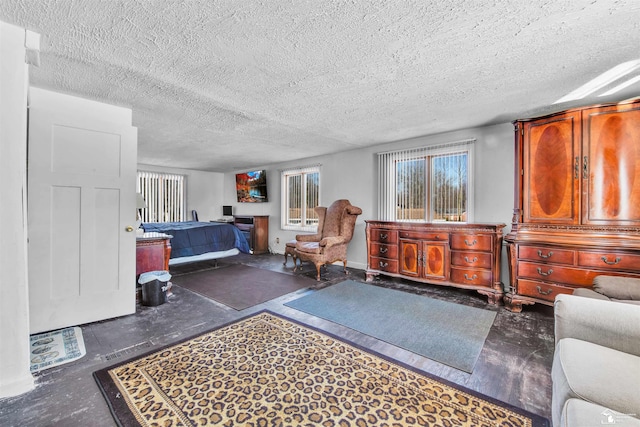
(618, 288)
(596, 374)
(589, 293)
(578, 413)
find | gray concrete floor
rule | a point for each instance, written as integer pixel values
(514, 365)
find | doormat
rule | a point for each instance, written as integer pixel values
(55, 348)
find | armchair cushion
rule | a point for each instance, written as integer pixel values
(308, 247)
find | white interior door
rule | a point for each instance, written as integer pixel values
(81, 203)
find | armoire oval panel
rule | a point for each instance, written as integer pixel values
(549, 176)
(613, 172)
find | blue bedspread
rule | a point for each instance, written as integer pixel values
(196, 238)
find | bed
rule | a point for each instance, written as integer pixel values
(194, 241)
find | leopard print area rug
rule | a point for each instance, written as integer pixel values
(267, 370)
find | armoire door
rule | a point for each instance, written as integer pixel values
(552, 169)
(81, 211)
(611, 165)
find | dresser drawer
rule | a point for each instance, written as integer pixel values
(384, 251)
(542, 290)
(556, 273)
(546, 254)
(421, 235)
(384, 236)
(383, 264)
(471, 259)
(471, 276)
(472, 242)
(609, 260)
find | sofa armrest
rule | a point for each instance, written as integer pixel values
(607, 323)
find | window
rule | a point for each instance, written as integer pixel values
(164, 195)
(427, 184)
(300, 195)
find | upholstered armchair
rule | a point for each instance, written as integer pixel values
(335, 230)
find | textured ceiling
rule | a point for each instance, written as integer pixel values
(228, 85)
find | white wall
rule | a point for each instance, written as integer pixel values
(15, 375)
(352, 175)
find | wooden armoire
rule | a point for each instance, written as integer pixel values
(577, 201)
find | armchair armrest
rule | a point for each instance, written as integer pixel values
(606, 323)
(332, 241)
(308, 237)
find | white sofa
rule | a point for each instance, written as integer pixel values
(596, 365)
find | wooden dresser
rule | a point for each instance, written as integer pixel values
(460, 255)
(577, 201)
(256, 228)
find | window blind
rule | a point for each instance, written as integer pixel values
(423, 183)
(164, 195)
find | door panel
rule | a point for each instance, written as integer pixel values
(436, 260)
(612, 169)
(551, 164)
(81, 199)
(410, 257)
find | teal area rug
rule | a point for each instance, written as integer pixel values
(452, 334)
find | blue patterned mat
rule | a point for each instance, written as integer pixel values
(54, 348)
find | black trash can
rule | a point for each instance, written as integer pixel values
(154, 287)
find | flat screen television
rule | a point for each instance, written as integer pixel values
(251, 187)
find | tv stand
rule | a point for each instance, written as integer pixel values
(256, 230)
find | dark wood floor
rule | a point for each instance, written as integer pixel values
(514, 365)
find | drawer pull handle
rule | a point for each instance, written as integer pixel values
(548, 255)
(617, 260)
(384, 264)
(384, 250)
(544, 274)
(541, 292)
(383, 236)
(470, 244)
(475, 258)
(474, 277)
